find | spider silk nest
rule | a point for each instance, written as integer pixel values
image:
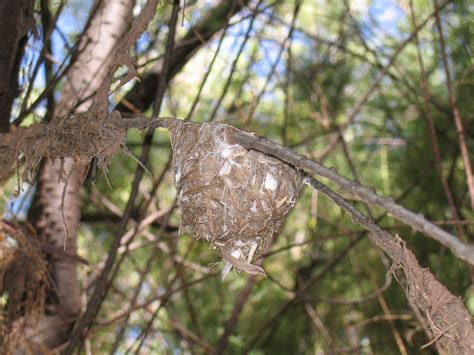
(233, 198)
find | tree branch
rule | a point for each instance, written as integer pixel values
(250, 141)
(438, 306)
(143, 93)
(368, 195)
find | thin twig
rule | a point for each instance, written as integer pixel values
(436, 338)
(368, 195)
(432, 127)
(455, 110)
(82, 325)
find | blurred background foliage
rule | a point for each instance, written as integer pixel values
(297, 79)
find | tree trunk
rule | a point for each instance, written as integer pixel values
(56, 209)
(16, 19)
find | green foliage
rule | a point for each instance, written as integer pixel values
(337, 51)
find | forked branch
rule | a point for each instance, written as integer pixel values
(366, 194)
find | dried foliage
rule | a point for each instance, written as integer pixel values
(77, 136)
(445, 314)
(81, 136)
(233, 198)
(447, 318)
(23, 283)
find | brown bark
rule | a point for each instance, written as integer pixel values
(16, 19)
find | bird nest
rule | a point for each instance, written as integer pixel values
(233, 198)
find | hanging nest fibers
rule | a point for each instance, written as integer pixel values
(23, 284)
(233, 198)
